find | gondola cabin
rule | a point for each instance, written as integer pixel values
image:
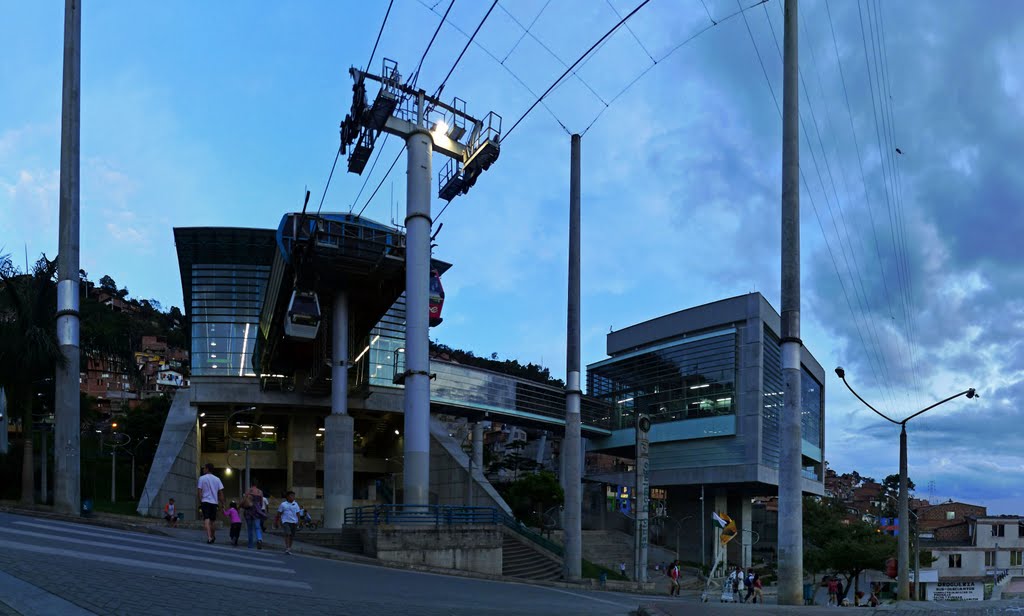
(436, 298)
(302, 321)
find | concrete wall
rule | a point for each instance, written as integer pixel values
(175, 468)
(449, 468)
(476, 549)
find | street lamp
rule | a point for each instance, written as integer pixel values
(917, 549)
(679, 528)
(132, 454)
(903, 554)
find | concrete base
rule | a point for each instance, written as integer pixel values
(337, 468)
(176, 463)
(476, 549)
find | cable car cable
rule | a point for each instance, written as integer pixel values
(379, 32)
(416, 73)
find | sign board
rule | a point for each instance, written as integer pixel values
(955, 591)
(170, 378)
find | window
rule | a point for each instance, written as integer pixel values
(990, 559)
(998, 530)
(1015, 558)
(954, 561)
(950, 515)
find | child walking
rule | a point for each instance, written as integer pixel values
(289, 512)
(236, 521)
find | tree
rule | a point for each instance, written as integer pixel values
(845, 545)
(29, 352)
(891, 494)
(107, 284)
(530, 496)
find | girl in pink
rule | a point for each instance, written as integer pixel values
(236, 522)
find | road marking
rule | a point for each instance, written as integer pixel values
(160, 567)
(128, 548)
(576, 594)
(30, 600)
(176, 544)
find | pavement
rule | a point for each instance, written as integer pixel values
(685, 606)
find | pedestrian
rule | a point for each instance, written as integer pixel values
(673, 574)
(289, 512)
(749, 582)
(211, 500)
(171, 513)
(236, 521)
(840, 593)
(758, 597)
(833, 588)
(736, 580)
(266, 507)
(254, 513)
(622, 569)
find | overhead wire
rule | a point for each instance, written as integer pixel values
(630, 30)
(366, 179)
(382, 180)
(642, 4)
(661, 59)
(860, 160)
(810, 195)
(328, 184)
(379, 33)
(416, 73)
(526, 30)
(853, 274)
(444, 81)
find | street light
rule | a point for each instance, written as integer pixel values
(132, 454)
(903, 554)
(679, 528)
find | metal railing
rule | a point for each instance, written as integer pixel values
(421, 515)
(536, 538)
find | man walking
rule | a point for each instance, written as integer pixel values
(211, 500)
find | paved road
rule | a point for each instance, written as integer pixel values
(53, 567)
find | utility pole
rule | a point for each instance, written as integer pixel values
(791, 555)
(66, 446)
(427, 125)
(113, 473)
(572, 566)
(339, 426)
(643, 490)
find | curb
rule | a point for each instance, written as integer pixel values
(650, 610)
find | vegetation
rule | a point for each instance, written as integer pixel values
(531, 495)
(512, 367)
(833, 543)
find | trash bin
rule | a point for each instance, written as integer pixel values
(87, 508)
(809, 594)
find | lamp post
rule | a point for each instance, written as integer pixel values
(917, 550)
(903, 554)
(132, 454)
(679, 527)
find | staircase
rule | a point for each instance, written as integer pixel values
(608, 548)
(519, 560)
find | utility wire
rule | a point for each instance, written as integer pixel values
(527, 31)
(507, 69)
(635, 37)
(662, 59)
(381, 183)
(817, 168)
(366, 179)
(468, 43)
(416, 73)
(705, 5)
(578, 60)
(380, 32)
(328, 184)
(860, 159)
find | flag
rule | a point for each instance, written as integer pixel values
(722, 520)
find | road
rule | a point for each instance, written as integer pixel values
(55, 567)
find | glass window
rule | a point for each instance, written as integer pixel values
(686, 380)
(990, 559)
(1015, 558)
(950, 515)
(226, 301)
(998, 530)
(954, 561)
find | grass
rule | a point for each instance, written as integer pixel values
(125, 507)
(593, 571)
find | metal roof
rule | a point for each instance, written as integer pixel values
(220, 246)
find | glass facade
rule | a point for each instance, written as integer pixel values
(686, 379)
(224, 314)
(811, 400)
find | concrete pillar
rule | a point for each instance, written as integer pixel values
(478, 446)
(338, 426)
(746, 520)
(302, 457)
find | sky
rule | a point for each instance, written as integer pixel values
(209, 114)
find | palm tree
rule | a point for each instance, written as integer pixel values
(29, 351)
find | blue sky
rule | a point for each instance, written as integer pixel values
(199, 114)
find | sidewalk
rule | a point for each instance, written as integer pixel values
(688, 607)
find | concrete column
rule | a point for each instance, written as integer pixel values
(478, 446)
(44, 470)
(746, 520)
(571, 520)
(67, 415)
(416, 477)
(338, 426)
(540, 447)
(302, 457)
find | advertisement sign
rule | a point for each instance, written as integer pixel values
(956, 591)
(172, 379)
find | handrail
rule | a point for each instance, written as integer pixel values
(420, 515)
(530, 535)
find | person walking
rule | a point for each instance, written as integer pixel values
(673, 574)
(210, 491)
(749, 583)
(833, 590)
(622, 569)
(236, 521)
(289, 512)
(254, 513)
(736, 580)
(758, 596)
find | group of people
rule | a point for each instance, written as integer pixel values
(253, 509)
(750, 582)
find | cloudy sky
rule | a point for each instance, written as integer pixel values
(199, 113)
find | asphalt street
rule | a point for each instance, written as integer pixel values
(54, 567)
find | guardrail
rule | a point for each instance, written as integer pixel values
(421, 515)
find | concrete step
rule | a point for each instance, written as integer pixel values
(522, 561)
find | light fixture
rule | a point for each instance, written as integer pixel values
(203, 414)
(269, 428)
(701, 386)
(227, 471)
(214, 366)
(321, 429)
(396, 431)
(204, 425)
(213, 356)
(440, 128)
(242, 426)
(625, 400)
(319, 433)
(212, 343)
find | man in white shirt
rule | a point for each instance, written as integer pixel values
(289, 511)
(211, 500)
